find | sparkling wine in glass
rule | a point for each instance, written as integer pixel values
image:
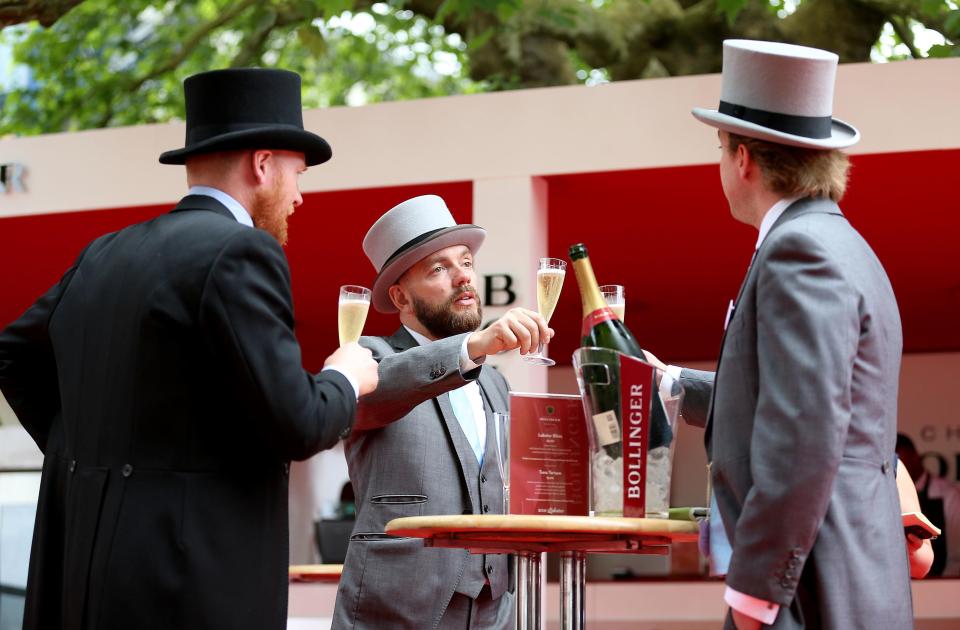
(352, 312)
(615, 297)
(550, 274)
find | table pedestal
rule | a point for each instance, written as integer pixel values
(573, 574)
(528, 590)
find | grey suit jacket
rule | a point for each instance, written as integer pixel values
(802, 425)
(418, 463)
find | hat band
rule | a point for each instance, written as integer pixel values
(818, 127)
(410, 245)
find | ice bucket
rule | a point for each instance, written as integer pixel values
(631, 429)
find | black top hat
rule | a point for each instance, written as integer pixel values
(246, 108)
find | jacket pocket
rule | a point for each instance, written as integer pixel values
(398, 499)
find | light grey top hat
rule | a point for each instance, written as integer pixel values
(780, 93)
(407, 233)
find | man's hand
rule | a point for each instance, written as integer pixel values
(518, 328)
(358, 362)
(744, 622)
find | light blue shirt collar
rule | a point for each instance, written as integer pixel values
(420, 339)
(235, 207)
(771, 217)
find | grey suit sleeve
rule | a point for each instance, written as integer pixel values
(410, 377)
(697, 391)
(808, 326)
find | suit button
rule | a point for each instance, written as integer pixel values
(486, 508)
(795, 553)
(434, 374)
(885, 467)
(286, 468)
(489, 568)
(73, 465)
(792, 562)
(785, 583)
(442, 370)
(483, 479)
(127, 470)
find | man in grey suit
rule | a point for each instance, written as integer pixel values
(800, 415)
(434, 409)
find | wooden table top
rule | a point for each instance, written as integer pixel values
(315, 572)
(546, 533)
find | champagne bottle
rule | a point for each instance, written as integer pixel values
(601, 328)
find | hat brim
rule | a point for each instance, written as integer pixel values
(288, 138)
(470, 235)
(842, 135)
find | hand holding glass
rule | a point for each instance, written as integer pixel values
(352, 312)
(550, 274)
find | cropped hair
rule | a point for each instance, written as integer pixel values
(797, 171)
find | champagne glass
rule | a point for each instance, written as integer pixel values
(615, 297)
(501, 424)
(352, 312)
(550, 274)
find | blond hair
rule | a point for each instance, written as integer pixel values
(797, 171)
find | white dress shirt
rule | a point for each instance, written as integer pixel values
(472, 389)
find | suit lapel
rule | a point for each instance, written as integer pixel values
(796, 209)
(469, 467)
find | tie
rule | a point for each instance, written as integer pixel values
(464, 413)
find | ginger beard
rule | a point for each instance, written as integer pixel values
(270, 213)
(447, 319)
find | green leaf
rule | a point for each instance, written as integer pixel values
(731, 9)
(952, 24)
(943, 51)
(480, 40)
(312, 39)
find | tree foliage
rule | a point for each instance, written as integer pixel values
(96, 63)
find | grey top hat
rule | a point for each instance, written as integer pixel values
(407, 233)
(781, 93)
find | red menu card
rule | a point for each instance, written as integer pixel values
(549, 455)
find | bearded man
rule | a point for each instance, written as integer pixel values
(434, 408)
(163, 382)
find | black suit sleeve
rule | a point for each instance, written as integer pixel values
(246, 318)
(28, 367)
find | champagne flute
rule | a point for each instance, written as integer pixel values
(501, 423)
(615, 297)
(550, 274)
(352, 312)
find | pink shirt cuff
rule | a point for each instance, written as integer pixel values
(761, 610)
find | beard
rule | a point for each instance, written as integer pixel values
(269, 213)
(444, 320)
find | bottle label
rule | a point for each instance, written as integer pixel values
(608, 428)
(636, 390)
(596, 317)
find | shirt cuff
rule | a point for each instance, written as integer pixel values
(670, 376)
(353, 382)
(466, 363)
(761, 610)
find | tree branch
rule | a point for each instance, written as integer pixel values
(905, 35)
(44, 11)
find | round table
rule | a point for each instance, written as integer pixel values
(315, 572)
(529, 536)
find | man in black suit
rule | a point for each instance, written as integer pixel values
(162, 380)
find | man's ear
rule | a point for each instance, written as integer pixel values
(260, 165)
(398, 297)
(745, 162)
